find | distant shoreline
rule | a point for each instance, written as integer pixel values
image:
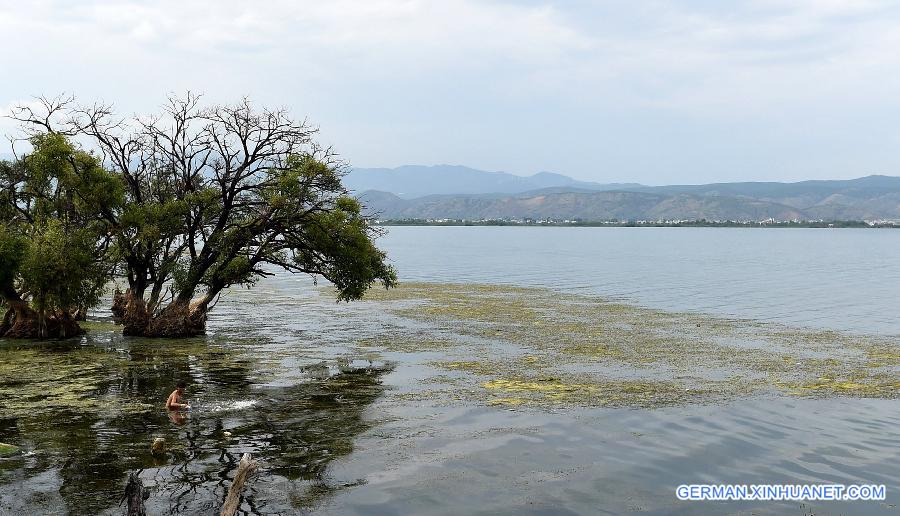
(840, 224)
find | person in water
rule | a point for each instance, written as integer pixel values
(176, 399)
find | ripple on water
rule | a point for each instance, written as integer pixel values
(617, 460)
(335, 433)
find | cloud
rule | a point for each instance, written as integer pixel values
(450, 28)
(392, 81)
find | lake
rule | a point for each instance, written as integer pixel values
(844, 279)
(516, 371)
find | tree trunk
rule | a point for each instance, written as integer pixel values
(180, 318)
(22, 322)
(130, 311)
(81, 313)
(7, 321)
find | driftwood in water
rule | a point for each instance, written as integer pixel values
(246, 466)
(135, 494)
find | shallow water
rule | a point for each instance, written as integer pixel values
(616, 461)
(335, 400)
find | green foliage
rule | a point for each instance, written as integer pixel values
(199, 199)
(97, 189)
(10, 176)
(13, 247)
(59, 269)
(151, 221)
(60, 181)
(52, 240)
(298, 217)
(338, 244)
(235, 271)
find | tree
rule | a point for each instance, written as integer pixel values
(54, 255)
(216, 196)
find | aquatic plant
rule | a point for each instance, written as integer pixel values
(609, 353)
(8, 449)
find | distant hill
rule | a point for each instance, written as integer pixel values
(416, 181)
(865, 198)
(457, 192)
(589, 206)
(868, 198)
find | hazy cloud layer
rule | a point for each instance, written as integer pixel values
(656, 92)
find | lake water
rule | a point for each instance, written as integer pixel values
(307, 387)
(847, 279)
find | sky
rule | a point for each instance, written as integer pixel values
(610, 91)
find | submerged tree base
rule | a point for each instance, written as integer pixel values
(25, 323)
(178, 319)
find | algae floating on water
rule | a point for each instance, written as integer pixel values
(611, 353)
(8, 449)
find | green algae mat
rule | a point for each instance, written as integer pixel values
(515, 346)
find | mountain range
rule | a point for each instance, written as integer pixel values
(457, 192)
(449, 192)
(412, 181)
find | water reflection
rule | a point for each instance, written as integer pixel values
(276, 378)
(178, 417)
(86, 412)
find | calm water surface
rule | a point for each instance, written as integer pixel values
(283, 372)
(847, 279)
